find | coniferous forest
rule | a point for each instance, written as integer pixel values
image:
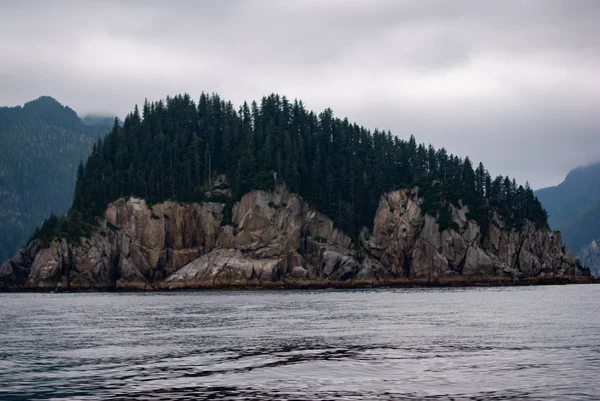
(171, 149)
(42, 144)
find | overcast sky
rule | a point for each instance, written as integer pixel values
(515, 84)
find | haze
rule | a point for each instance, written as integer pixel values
(513, 83)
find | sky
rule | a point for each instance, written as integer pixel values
(514, 84)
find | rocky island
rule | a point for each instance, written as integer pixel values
(186, 196)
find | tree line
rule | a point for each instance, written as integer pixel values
(172, 149)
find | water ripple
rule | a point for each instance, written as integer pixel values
(401, 344)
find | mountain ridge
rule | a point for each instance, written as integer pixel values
(574, 208)
(43, 144)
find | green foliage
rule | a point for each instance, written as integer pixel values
(445, 219)
(174, 148)
(43, 143)
(263, 181)
(227, 212)
(218, 198)
(320, 240)
(513, 204)
(71, 228)
(430, 191)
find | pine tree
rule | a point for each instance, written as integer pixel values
(176, 148)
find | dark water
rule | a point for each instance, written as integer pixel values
(475, 344)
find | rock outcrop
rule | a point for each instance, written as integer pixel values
(275, 238)
(135, 246)
(411, 246)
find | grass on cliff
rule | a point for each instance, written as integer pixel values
(70, 227)
(513, 204)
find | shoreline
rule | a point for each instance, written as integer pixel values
(309, 285)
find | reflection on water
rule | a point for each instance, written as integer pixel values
(401, 344)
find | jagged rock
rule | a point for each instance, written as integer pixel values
(319, 225)
(167, 235)
(427, 262)
(494, 237)
(454, 247)
(136, 245)
(459, 214)
(14, 272)
(472, 233)
(223, 267)
(397, 222)
(373, 272)
(478, 263)
(130, 277)
(338, 264)
(275, 237)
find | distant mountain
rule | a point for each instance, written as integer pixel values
(590, 255)
(96, 119)
(50, 111)
(96, 124)
(42, 145)
(574, 208)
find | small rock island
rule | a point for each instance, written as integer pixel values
(186, 196)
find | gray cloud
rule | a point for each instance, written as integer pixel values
(512, 83)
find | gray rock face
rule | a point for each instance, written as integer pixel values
(135, 246)
(14, 272)
(275, 237)
(432, 255)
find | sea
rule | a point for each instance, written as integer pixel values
(499, 343)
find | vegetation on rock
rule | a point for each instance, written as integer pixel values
(172, 149)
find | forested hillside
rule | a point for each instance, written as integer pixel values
(42, 144)
(574, 208)
(573, 196)
(584, 228)
(171, 149)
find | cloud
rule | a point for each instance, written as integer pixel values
(512, 83)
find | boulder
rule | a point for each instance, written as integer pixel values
(225, 267)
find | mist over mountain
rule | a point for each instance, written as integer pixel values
(43, 142)
(573, 207)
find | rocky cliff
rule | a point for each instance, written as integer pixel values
(275, 238)
(135, 247)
